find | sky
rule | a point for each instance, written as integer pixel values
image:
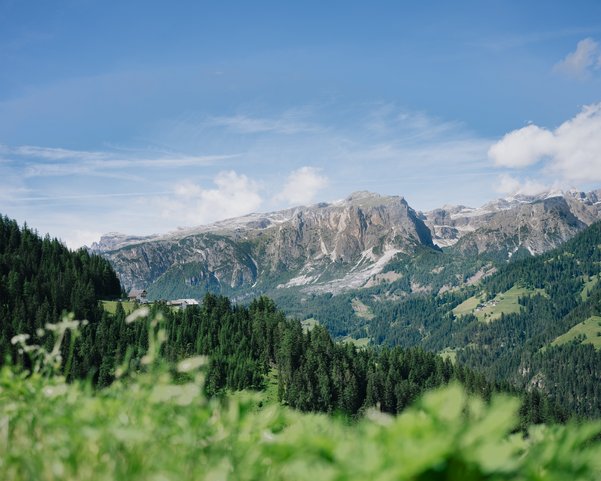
(144, 117)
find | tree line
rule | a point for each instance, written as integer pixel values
(40, 279)
(248, 344)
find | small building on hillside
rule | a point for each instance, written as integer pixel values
(182, 303)
(137, 295)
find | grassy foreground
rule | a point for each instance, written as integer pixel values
(151, 428)
(158, 425)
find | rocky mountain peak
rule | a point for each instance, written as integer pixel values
(366, 199)
(535, 223)
(345, 242)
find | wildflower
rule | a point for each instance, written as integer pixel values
(192, 363)
(54, 391)
(137, 314)
(19, 339)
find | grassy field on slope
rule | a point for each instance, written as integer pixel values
(589, 285)
(589, 331)
(111, 306)
(503, 303)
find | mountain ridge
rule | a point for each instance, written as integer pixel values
(341, 245)
(450, 223)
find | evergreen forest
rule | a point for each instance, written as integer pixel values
(258, 368)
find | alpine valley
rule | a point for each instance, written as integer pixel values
(262, 241)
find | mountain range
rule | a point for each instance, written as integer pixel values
(511, 289)
(361, 241)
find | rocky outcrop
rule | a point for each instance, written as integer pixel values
(362, 224)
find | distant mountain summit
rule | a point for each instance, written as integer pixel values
(331, 247)
(533, 223)
(326, 246)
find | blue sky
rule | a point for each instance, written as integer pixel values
(141, 117)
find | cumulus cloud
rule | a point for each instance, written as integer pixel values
(572, 151)
(522, 147)
(301, 186)
(234, 195)
(508, 184)
(581, 61)
(81, 237)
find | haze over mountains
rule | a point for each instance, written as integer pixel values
(348, 244)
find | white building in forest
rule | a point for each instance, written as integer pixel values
(182, 303)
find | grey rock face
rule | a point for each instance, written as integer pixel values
(310, 246)
(340, 245)
(532, 223)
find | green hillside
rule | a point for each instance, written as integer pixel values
(227, 391)
(502, 304)
(589, 284)
(586, 332)
(111, 306)
(155, 422)
(246, 344)
(532, 302)
(40, 279)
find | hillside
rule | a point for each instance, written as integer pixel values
(251, 347)
(245, 344)
(496, 297)
(155, 416)
(152, 414)
(40, 279)
(531, 322)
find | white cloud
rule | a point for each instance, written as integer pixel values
(301, 186)
(52, 153)
(522, 147)
(287, 123)
(9, 192)
(38, 161)
(77, 197)
(572, 151)
(78, 238)
(234, 195)
(508, 184)
(108, 166)
(407, 126)
(580, 62)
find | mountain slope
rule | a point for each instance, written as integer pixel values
(515, 225)
(507, 325)
(41, 278)
(326, 246)
(360, 242)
